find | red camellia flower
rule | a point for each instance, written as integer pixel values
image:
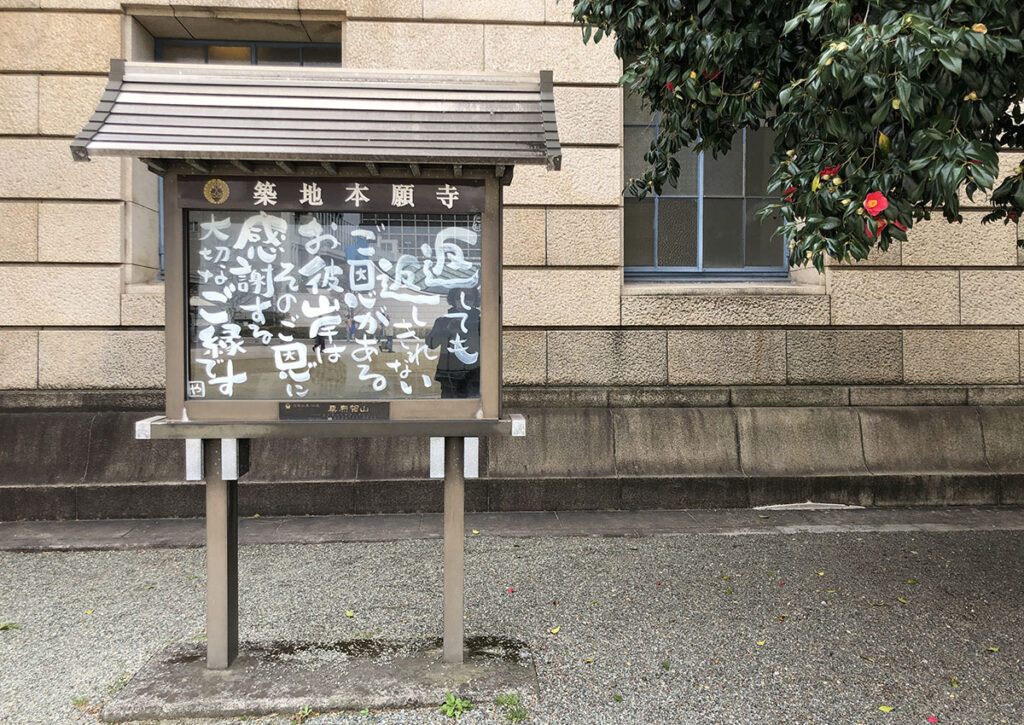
(671, 86)
(712, 76)
(875, 203)
(829, 171)
(882, 224)
(1013, 215)
(788, 196)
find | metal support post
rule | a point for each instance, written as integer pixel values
(454, 549)
(221, 553)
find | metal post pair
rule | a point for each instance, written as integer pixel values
(224, 461)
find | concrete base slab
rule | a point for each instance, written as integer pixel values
(284, 677)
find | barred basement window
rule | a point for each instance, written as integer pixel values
(706, 226)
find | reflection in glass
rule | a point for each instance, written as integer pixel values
(457, 336)
(724, 176)
(723, 232)
(331, 305)
(689, 170)
(229, 54)
(636, 142)
(314, 55)
(633, 111)
(760, 145)
(277, 55)
(763, 248)
(677, 232)
(638, 232)
(183, 53)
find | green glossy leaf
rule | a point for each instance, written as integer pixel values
(950, 62)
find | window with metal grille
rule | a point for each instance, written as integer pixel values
(706, 226)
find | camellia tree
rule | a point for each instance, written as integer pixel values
(883, 113)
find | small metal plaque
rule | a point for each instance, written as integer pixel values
(333, 411)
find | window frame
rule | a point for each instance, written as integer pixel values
(254, 46)
(700, 272)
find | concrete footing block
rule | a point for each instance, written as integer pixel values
(799, 441)
(916, 440)
(285, 677)
(668, 441)
(1003, 431)
(564, 442)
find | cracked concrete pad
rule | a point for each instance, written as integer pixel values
(287, 676)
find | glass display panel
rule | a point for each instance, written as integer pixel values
(339, 304)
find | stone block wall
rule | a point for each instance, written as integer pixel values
(78, 260)
(64, 257)
(935, 321)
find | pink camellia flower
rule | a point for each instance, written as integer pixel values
(933, 719)
(875, 203)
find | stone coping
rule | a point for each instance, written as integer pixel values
(648, 396)
(157, 505)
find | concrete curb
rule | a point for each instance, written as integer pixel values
(118, 534)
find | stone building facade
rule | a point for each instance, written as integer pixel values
(893, 380)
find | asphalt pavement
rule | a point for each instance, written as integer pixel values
(862, 616)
